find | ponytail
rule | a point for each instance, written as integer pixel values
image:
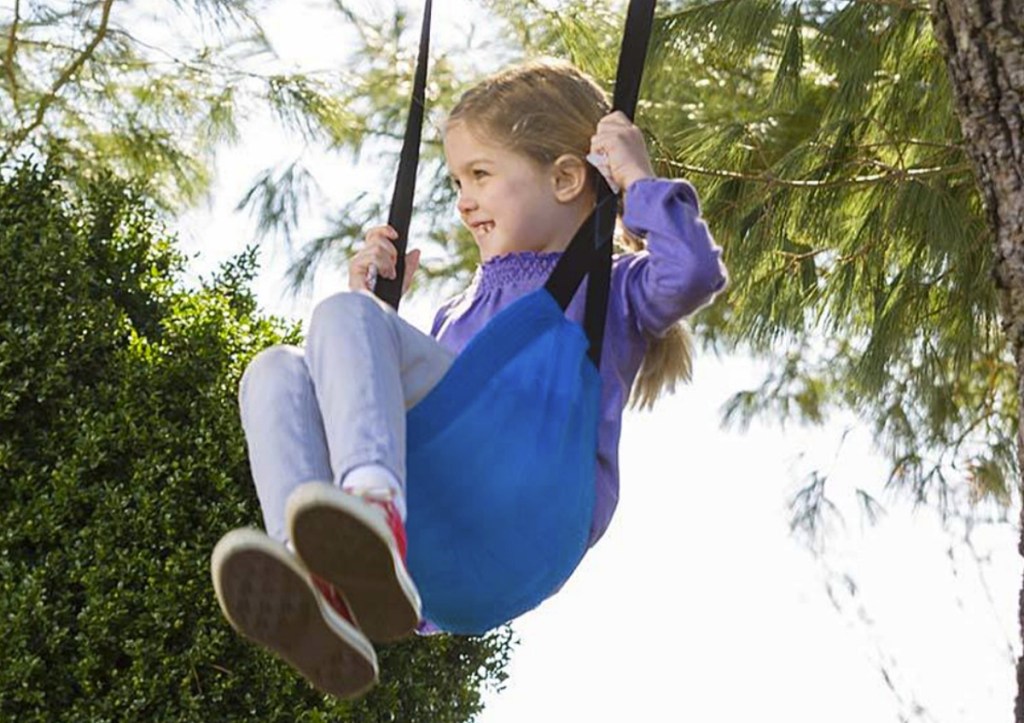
(668, 359)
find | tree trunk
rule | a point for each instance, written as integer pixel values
(983, 43)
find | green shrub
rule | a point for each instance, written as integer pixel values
(122, 462)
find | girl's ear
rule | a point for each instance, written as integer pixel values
(570, 177)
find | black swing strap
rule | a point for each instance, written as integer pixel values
(591, 248)
(390, 290)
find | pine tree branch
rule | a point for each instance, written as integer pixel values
(794, 259)
(66, 75)
(354, 20)
(771, 179)
(205, 67)
(12, 41)
(911, 142)
(898, 4)
(978, 561)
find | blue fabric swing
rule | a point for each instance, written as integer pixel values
(502, 453)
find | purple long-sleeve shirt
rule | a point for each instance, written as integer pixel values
(680, 271)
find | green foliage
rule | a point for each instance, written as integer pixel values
(823, 140)
(821, 137)
(121, 464)
(108, 86)
(377, 93)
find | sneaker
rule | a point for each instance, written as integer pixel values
(267, 596)
(357, 545)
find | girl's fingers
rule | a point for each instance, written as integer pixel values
(621, 146)
(380, 251)
(383, 246)
(380, 242)
(616, 127)
(373, 254)
(412, 262)
(600, 162)
(379, 257)
(384, 260)
(358, 276)
(617, 118)
(618, 138)
(382, 232)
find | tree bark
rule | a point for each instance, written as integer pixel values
(983, 43)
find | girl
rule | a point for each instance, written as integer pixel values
(325, 425)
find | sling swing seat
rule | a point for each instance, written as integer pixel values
(501, 464)
(502, 453)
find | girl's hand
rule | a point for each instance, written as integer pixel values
(622, 143)
(379, 251)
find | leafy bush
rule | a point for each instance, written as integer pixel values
(122, 462)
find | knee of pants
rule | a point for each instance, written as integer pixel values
(276, 368)
(340, 311)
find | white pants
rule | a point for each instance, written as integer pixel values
(317, 413)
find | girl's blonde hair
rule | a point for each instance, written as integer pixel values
(544, 109)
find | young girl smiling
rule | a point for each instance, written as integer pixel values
(326, 424)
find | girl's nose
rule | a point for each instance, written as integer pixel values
(466, 203)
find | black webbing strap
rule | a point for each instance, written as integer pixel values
(591, 248)
(390, 290)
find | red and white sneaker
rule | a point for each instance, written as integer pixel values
(357, 545)
(269, 597)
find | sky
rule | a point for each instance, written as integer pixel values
(700, 603)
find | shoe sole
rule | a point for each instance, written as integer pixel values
(348, 543)
(267, 597)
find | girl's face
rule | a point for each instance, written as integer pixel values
(509, 202)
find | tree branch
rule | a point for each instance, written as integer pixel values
(773, 180)
(66, 75)
(898, 4)
(12, 41)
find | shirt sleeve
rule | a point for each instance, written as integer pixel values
(681, 270)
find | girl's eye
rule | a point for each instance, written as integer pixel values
(477, 174)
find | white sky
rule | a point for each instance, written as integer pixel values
(699, 604)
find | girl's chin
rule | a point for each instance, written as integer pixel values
(489, 249)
